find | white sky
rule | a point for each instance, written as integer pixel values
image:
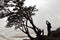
(48, 10)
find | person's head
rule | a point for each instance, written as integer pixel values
(46, 20)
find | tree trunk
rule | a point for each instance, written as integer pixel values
(30, 36)
(35, 28)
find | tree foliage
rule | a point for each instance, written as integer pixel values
(20, 16)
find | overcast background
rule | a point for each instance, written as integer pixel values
(48, 10)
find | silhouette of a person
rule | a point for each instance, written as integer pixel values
(48, 27)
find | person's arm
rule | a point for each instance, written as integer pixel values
(47, 22)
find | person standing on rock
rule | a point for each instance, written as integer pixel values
(48, 27)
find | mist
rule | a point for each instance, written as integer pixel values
(47, 10)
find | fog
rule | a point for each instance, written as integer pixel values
(47, 10)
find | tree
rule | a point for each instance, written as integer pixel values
(20, 16)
